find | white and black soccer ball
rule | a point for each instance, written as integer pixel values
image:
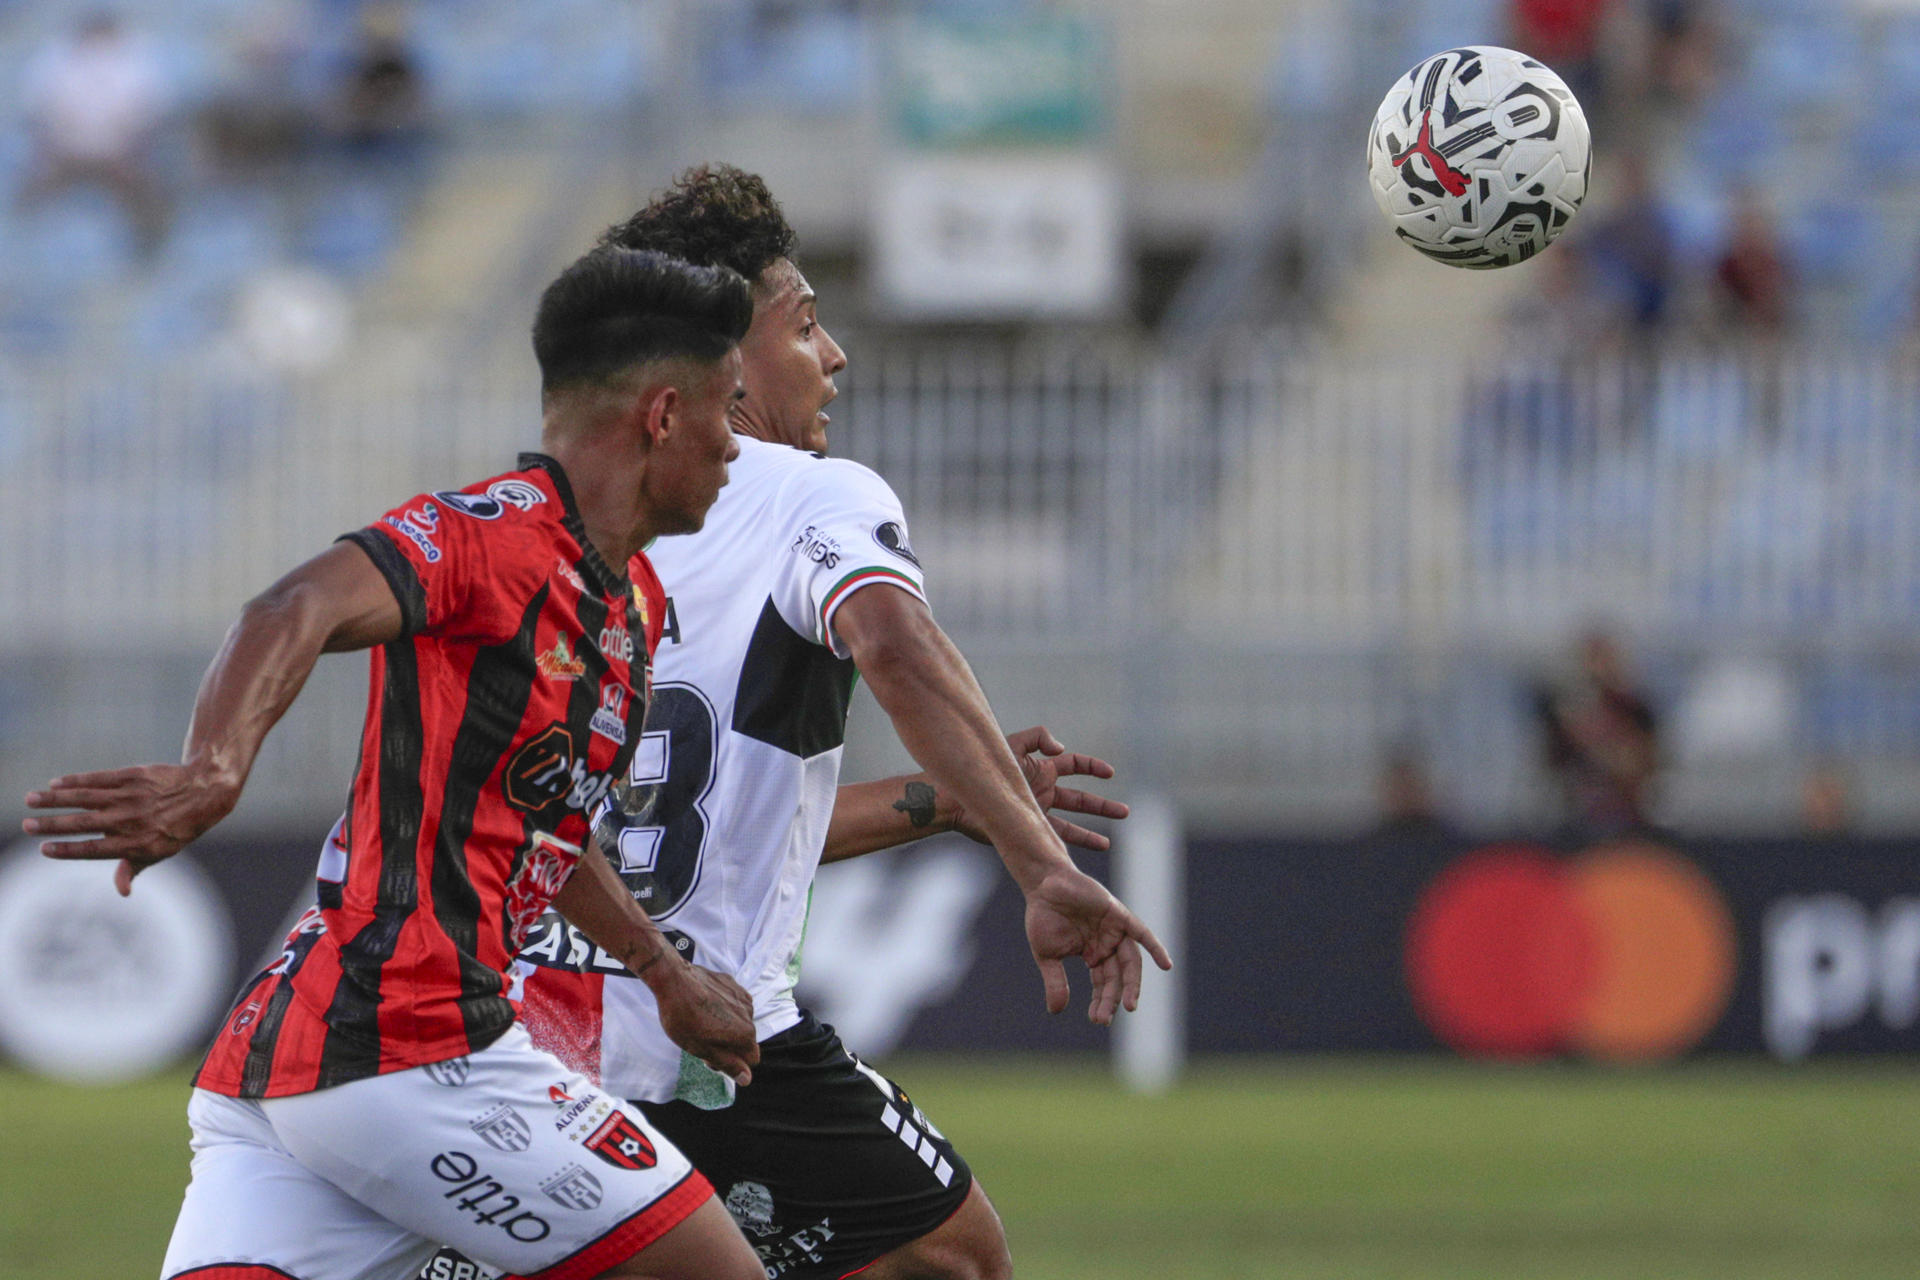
(1479, 157)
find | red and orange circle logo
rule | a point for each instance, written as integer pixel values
(1625, 953)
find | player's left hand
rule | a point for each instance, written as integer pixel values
(707, 1014)
(141, 815)
(1071, 914)
(1044, 760)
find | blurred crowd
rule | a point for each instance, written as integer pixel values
(1752, 174)
(158, 185)
(1605, 745)
(177, 177)
(1750, 182)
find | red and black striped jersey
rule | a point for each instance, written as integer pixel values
(495, 725)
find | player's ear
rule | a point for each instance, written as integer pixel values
(659, 413)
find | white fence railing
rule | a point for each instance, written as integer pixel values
(1302, 497)
(1276, 559)
(1056, 489)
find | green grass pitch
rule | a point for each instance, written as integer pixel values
(1262, 1170)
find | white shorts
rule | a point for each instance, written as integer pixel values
(506, 1155)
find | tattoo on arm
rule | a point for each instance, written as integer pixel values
(917, 804)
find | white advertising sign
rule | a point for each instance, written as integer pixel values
(96, 987)
(998, 236)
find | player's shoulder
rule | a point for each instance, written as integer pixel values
(528, 495)
(805, 478)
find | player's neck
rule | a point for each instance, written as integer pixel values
(607, 491)
(742, 421)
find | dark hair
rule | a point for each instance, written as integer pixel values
(616, 308)
(715, 215)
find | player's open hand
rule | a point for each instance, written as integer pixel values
(710, 1016)
(1044, 760)
(1071, 914)
(141, 815)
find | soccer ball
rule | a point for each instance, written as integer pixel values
(1479, 157)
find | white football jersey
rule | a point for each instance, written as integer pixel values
(733, 782)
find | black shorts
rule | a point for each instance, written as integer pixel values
(824, 1163)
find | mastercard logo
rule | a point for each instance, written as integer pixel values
(1624, 953)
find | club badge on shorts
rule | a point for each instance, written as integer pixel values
(621, 1144)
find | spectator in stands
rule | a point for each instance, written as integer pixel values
(1567, 35)
(1826, 801)
(263, 114)
(94, 102)
(1601, 742)
(1684, 51)
(1751, 276)
(1631, 251)
(382, 101)
(1408, 812)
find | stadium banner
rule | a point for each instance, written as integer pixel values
(1630, 950)
(104, 988)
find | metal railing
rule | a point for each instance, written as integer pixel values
(1283, 558)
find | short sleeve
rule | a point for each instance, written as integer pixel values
(844, 530)
(452, 573)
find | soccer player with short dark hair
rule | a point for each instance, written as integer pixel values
(370, 1095)
(803, 573)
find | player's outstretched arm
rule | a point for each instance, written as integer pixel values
(871, 816)
(925, 686)
(147, 813)
(706, 1013)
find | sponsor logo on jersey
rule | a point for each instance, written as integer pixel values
(574, 1188)
(558, 663)
(477, 505)
(546, 771)
(310, 921)
(815, 545)
(452, 1073)
(574, 1108)
(557, 1094)
(621, 1144)
(752, 1207)
(531, 890)
(555, 944)
(245, 1018)
(486, 1198)
(640, 607)
(419, 527)
(571, 576)
(503, 1129)
(616, 642)
(800, 1249)
(516, 493)
(894, 538)
(610, 720)
(581, 1117)
(493, 504)
(448, 1265)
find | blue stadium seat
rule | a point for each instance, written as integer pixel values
(37, 321)
(1894, 65)
(1697, 221)
(222, 236)
(351, 228)
(175, 315)
(77, 238)
(1734, 134)
(1837, 254)
(1792, 62)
